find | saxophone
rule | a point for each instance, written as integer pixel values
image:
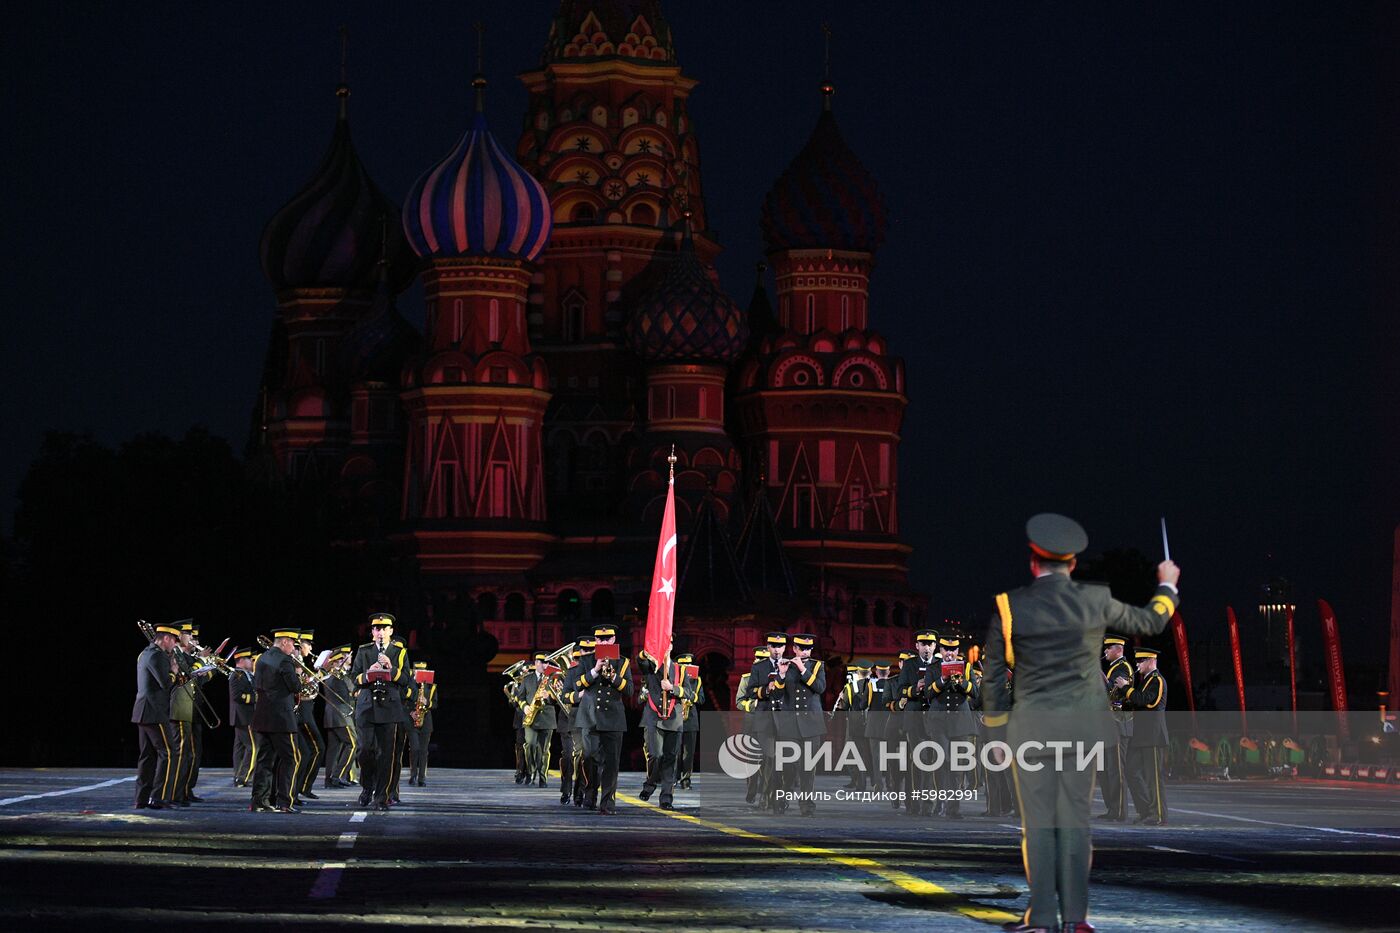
(548, 688)
(420, 708)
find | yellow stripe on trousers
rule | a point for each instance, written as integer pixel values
(900, 879)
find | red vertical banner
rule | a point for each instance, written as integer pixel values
(1332, 656)
(1394, 697)
(1292, 671)
(661, 606)
(1239, 665)
(1183, 657)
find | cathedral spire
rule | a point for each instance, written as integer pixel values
(828, 89)
(342, 90)
(479, 79)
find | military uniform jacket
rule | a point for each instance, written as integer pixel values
(1057, 628)
(766, 696)
(657, 701)
(276, 682)
(889, 701)
(854, 699)
(1121, 712)
(582, 716)
(604, 696)
(242, 695)
(182, 695)
(743, 702)
(950, 705)
(876, 715)
(1149, 698)
(525, 692)
(153, 684)
(380, 702)
(801, 715)
(339, 709)
(913, 718)
(306, 709)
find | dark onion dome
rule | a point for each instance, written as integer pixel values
(379, 346)
(825, 199)
(477, 201)
(333, 232)
(584, 29)
(685, 317)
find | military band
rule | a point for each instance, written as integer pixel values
(379, 673)
(425, 700)
(338, 718)
(242, 695)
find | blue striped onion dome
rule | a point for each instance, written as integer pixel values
(686, 317)
(825, 199)
(477, 201)
(334, 231)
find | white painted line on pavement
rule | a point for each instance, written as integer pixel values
(1316, 829)
(1228, 858)
(72, 790)
(328, 881)
(347, 841)
(359, 816)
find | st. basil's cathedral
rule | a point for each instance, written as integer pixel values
(511, 459)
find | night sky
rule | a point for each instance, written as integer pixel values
(1141, 263)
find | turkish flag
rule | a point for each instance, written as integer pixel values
(661, 606)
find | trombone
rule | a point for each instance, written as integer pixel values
(310, 680)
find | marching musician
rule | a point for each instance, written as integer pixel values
(915, 693)
(1117, 679)
(585, 789)
(753, 788)
(854, 701)
(425, 699)
(378, 708)
(1147, 747)
(517, 709)
(241, 697)
(405, 727)
(801, 718)
(692, 696)
(950, 720)
(310, 742)
(663, 702)
(182, 720)
(604, 687)
(533, 693)
(765, 691)
(338, 717)
(877, 716)
(194, 746)
(155, 679)
(277, 683)
(568, 749)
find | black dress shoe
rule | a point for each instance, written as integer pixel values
(262, 808)
(667, 805)
(287, 810)
(178, 803)
(382, 805)
(192, 798)
(519, 778)
(142, 805)
(365, 798)
(542, 781)
(1109, 816)
(1140, 819)
(578, 801)
(307, 793)
(563, 799)
(1082, 926)
(644, 795)
(394, 798)
(606, 811)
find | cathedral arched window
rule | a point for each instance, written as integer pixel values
(495, 326)
(881, 612)
(811, 313)
(570, 605)
(486, 605)
(515, 607)
(845, 312)
(458, 323)
(644, 215)
(574, 306)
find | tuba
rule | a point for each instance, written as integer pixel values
(549, 687)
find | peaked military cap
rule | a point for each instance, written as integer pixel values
(167, 630)
(604, 631)
(685, 657)
(1141, 653)
(949, 641)
(186, 625)
(307, 634)
(803, 640)
(760, 651)
(538, 656)
(905, 655)
(588, 641)
(381, 619)
(287, 633)
(1055, 537)
(1114, 640)
(925, 636)
(420, 665)
(777, 638)
(242, 653)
